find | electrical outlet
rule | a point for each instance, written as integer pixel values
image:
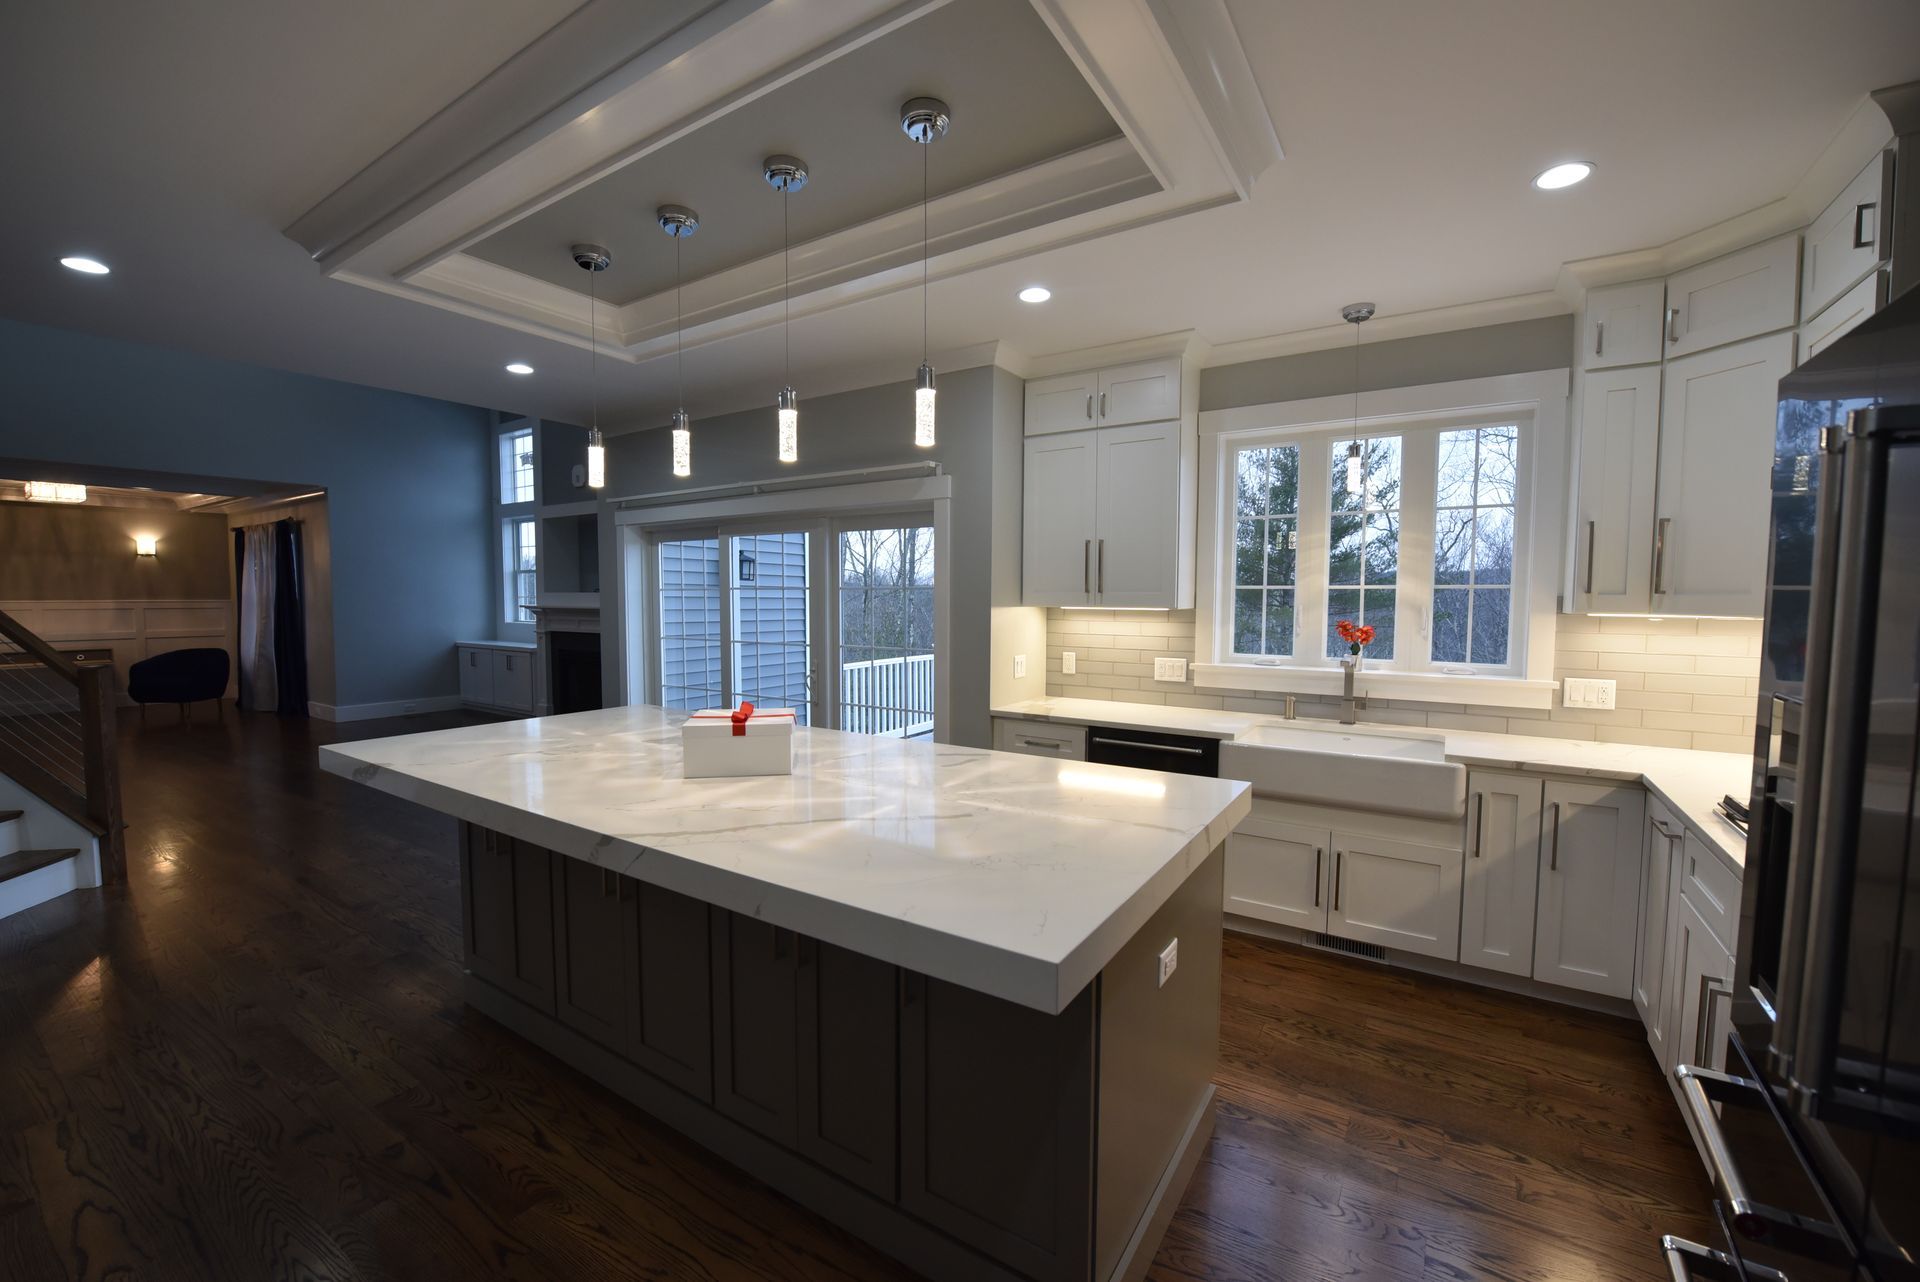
(1067, 665)
(1169, 959)
(1019, 666)
(1588, 692)
(1169, 669)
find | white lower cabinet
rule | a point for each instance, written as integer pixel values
(513, 680)
(1040, 738)
(1589, 887)
(1502, 871)
(476, 675)
(1398, 894)
(1277, 872)
(1702, 968)
(1658, 860)
(496, 677)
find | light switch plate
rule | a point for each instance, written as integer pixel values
(1169, 669)
(1019, 666)
(1067, 664)
(1169, 960)
(1588, 692)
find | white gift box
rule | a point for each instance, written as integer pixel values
(717, 745)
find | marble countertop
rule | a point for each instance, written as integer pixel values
(1015, 876)
(1689, 782)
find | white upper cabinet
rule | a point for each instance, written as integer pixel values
(1060, 519)
(1589, 887)
(1842, 314)
(1063, 403)
(1136, 558)
(1619, 454)
(1143, 392)
(1849, 239)
(1716, 449)
(1751, 291)
(1502, 871)
(1623, 325)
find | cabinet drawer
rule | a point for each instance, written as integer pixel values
(1849, 237)
(1753, 291)
(1710, 886)
(1040, 738)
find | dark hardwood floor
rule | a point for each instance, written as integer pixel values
(253, 1063)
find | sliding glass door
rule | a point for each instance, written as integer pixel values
(885, 596)
(770, 631)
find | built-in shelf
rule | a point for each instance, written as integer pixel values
(570, 557)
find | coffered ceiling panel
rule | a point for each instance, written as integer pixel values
(1017, 100)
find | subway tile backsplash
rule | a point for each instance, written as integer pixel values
(1678, 683)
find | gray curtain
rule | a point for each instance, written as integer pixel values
(259, 675)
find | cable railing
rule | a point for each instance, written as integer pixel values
(57, 736)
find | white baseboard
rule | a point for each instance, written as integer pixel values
(392, 708)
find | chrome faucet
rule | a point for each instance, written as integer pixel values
(1348, 700)
(1291, 709)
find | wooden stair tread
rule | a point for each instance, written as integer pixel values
(22, 862)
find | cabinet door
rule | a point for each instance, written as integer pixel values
(849, 1082)
(591, 918)
(996, 1148)
(1619, 456)
(1278, 872)
(1701, 971)
(1396, 894)
(476, 675)
(1064, 403)
(1716, 453)
(1849, 238)
(1589, 887)
(513, 680)
(508, 910)
(1502, 872)
(1657, 890)
(1623, 325)
(1143, 392)
(1841, 315)
(1059, 529)
(669, 992)
(1137, 543)
(1748, 292)
(754, 1061)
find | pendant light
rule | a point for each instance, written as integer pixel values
(679, 222)
(594, 259)
(786, 175)
(924, 120)
(1355, 314)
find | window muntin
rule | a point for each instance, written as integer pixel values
(1266, 549)
(1473, 545)
(516, 466)
(520, 549)
(1363, 543)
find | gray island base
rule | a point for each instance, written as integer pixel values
(964, 1132)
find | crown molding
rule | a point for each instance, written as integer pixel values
(1435, 320)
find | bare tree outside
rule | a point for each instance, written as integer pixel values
(1473, 545)
(1363, 545)
(886, 630)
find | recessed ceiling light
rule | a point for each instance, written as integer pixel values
(1563, 175)
(91, 266)
(519, 367)
(1035, 294)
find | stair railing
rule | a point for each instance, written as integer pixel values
(57, 737)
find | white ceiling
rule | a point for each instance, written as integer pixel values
(175, 142)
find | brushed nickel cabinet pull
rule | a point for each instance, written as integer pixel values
(1660, 528)
(1318, 853)
(1553, 860)
(1103, 567)
(1337, 870)
(1086, 570)
(1089, 407)
(1862, 239)
(1590, 529)
(1599, 337)
(1103, 405)
(1673, 325)
(1479, 821)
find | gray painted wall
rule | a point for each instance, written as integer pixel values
(870, 427)
(407, 479)
(1514, 348)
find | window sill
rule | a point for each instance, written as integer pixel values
(1379, 683)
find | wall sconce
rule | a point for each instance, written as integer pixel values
(146, 545)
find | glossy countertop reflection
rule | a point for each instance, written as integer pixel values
(1016, 876)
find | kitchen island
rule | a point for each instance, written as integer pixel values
(963, 1003)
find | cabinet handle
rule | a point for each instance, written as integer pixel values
(1086, 568)
(1102, 578)
(1710, 988)
(1660, 555)
(1862, 239)
(509, 663)
(1103, 405)
(1673, 324)
(1045, 745)
(1089, 407)
(1337, 870)
(1318, 853)
(1590, 528)
(1599, 337)
(1479, 820)
(1665, 831)
(1553, 858)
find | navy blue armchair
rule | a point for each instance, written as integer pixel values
(181, 676)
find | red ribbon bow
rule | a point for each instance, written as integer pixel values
(741, 715)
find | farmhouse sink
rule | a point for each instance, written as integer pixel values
(1342, 766)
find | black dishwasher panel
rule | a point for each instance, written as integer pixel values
(1179, 754)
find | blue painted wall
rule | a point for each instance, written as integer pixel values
(406, 478)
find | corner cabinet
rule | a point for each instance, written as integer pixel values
(1589, 887)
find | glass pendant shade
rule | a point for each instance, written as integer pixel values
(596, 460)
(1353, 468)
(682, 445)
(789, 408)
(923, 394)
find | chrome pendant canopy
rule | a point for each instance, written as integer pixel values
(677, 220)
(593, 258)
(925, 119)
(785, 174)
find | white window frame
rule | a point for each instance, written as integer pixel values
(506, 627)
(1537, 403)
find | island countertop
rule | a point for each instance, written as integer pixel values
(1011, 875)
